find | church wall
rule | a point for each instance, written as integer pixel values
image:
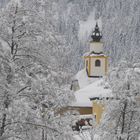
(81, 110)
(96, 47)
(98, 71)
(85, 110)
(97, 110)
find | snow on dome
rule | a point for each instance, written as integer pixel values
(96, 89)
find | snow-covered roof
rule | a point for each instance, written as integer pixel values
(96, 89)
(90, 88)
(94, 54)
(83, 79)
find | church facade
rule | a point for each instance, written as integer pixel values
(88, 84)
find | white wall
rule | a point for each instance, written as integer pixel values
(96, 47)
(97, 71)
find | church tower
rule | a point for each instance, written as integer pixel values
(96, 63)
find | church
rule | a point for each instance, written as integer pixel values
(96, 62)
(89, 85)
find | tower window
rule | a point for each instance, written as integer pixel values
(97, 63)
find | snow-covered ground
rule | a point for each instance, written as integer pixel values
(83, 136)
(86, 135)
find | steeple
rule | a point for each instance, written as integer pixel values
(96, 34)
(96, 62)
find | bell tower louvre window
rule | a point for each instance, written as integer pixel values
(97, 63)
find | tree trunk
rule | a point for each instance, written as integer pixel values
(2, 129)
(131, 118)
(43, 134)
(3, 125)
(123, 118)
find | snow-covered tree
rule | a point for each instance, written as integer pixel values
(121, 32)
(31, 89)
(121, 119)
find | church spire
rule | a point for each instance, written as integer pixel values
(96, 34)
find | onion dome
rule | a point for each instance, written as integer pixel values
(96, 34)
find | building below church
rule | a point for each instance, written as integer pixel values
(90, 94)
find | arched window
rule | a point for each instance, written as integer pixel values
(97, 63)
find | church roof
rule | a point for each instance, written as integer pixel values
(94, 54)
(96, 35)
(97, 88)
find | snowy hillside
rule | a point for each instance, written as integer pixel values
(86, 27)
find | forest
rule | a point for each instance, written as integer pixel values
(41, 51)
